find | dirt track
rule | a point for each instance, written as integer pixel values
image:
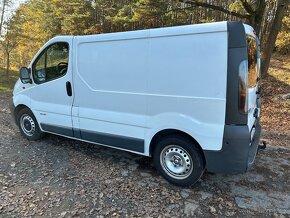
(65, 178)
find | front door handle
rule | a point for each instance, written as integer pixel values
(68, 88)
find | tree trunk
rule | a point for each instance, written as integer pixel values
(270, 41)
(2, 15)
(259, 15)
(255, 17)
(7, 65)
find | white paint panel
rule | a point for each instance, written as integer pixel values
(50, 103)
(138, 86)
(111, 112)
(108, 73)
(189, 65)
(191, 73)
(115, 65)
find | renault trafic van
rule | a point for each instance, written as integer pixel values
(187, 96)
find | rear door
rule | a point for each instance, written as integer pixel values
(51, 95)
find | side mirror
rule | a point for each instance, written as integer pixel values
(24, 73)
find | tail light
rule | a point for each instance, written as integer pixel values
(243, 87)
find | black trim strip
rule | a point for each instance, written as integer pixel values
(117, 141)
(57, 129)
(124, 142)
(77, 133)
(237, 52)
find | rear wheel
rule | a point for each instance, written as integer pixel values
(179, 160)
(28, 125)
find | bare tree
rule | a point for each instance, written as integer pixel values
(4, 4)
(254, 12)
(275, 28)
(9, 44)
(195, 3)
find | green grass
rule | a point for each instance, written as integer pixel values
(6, 85)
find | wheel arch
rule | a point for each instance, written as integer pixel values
(18, 108)
(170, 132)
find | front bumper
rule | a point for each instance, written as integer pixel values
(238, 152)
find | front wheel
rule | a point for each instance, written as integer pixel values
(179, 160)
(28, 125)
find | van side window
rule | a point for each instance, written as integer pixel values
(52, 63)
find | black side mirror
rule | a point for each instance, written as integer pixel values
(24, 73)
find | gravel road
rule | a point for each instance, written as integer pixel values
(59, 177)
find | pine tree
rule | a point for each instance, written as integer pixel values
(150, 13)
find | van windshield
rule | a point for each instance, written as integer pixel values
(252, 61)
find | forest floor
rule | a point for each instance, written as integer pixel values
(275, 118)
(59, 177)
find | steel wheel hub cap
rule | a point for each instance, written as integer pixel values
(176, 162)
(27, 125)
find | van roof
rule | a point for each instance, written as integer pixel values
(158, 32)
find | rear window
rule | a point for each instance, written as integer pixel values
(252, 61)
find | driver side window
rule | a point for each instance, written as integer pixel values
(52, 63)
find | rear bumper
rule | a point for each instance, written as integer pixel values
(238, 152)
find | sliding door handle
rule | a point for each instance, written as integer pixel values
(68, 88)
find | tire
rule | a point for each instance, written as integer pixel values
(179, 160)
(28, 125)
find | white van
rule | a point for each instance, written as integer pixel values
(187, 95)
